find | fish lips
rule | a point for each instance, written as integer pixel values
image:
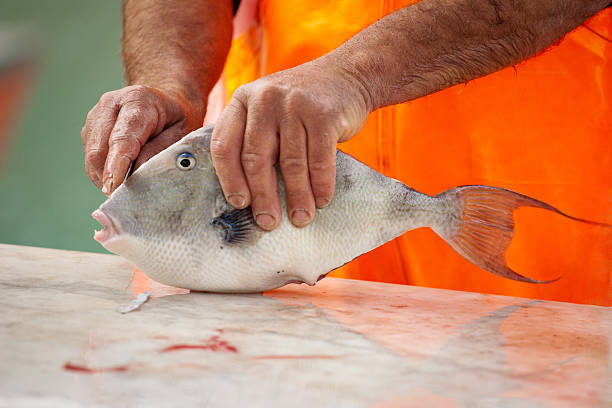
(111, 228)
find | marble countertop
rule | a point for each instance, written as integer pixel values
(342, 343)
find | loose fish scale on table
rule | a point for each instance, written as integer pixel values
(171, 220)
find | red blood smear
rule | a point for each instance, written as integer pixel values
(212, 344)
(89, 370)
(291, 356)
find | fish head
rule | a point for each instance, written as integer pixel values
(161, 215)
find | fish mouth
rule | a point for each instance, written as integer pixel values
(111, 228)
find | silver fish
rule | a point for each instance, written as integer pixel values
(171, 220)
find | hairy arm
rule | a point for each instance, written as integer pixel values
(435, 44)
(297, 116)
(177, 46)
(173, 51)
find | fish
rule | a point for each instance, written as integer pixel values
(171, 220)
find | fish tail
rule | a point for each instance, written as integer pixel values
(480, 225)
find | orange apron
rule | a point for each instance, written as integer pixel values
(542, 128)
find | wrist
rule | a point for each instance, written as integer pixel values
(340, 67)
(192, 102)
(190, 99)
(369, 71)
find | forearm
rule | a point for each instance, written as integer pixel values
(435, 44)
(178, 47)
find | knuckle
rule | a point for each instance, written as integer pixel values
(267, 92)
(295, 100)
(117, 138)
(107, 98)
(103, 111)
(123, 143)
(137, 92)
(94, 159)
(140, 97)
(137, 116)
(91, 114)
(92, 154)
(219, 148)
(252, 162)
(321, 166)
(233, 109)
(124, 156)
(343, 128)
(293, 164)
(241, 92)
(136, 105)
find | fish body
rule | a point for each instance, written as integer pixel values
(171, 220)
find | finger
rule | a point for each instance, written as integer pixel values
(259, 154)
(294, 167)
(322, 165)
(159, 143)
(95, 134)
(225, 148)
(135, 123)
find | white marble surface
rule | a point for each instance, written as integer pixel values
(340, 344)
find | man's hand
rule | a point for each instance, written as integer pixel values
(295, 117)
(173, 52)
(133, 124)
(298, 115)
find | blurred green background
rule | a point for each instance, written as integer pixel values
(45, 196)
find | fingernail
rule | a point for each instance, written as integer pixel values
(237, 200)
(300, 217)
(108, 186)
(265, 220)
(322, 202)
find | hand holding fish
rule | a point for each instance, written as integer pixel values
(132, 124)
(295, 117)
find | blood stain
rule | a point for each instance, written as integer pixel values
(213, 344)
(90, 370)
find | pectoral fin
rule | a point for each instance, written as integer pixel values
(237, 226)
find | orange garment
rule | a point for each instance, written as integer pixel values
(542, 128)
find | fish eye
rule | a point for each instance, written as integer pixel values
(185, 161)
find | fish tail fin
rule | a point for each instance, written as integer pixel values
(480, 225)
